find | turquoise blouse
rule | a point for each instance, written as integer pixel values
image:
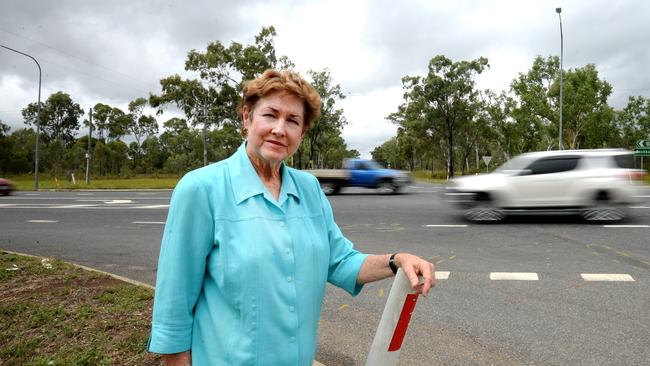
(241, 276)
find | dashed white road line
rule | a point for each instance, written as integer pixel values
(626, 226)
(7, 204)
(640, 207)
(72, 206)
(42, 221)
(154, 206)
(149, 222)
(618, 277)
(446, 225)
(514, 276)
(442, 275)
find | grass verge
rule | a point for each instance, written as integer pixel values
(26, 183)
(53, 313)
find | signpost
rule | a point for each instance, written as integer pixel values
(642, 149)
(487, 159)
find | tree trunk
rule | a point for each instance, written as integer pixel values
(450, 152)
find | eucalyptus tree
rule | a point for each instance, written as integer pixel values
(59, 117)
(211, 98)
(327, 127)
(141, 126)
(443, 102)
(59, 121)
(588, 119)
(101, 119)
(634, 121)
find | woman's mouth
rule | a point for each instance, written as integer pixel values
(276, 143)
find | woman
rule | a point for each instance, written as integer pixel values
(250, 243)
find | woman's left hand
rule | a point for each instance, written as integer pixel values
(414, 267)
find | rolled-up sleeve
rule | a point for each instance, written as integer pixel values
(344, 262)
(186, 243)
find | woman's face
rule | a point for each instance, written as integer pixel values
(275, 126)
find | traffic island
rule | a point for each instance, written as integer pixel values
(55, 313)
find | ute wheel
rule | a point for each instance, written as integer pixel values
(604, 210)
(387, 188)
(484, 210)
(329, 188)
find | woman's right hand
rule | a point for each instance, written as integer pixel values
(178, 359)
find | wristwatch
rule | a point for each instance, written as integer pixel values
(391, 263)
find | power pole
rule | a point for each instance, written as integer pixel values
(90, 136)
(205, 134)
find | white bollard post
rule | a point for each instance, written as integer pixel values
(394, 322)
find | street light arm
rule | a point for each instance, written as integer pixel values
(24, 54)
(38, 116)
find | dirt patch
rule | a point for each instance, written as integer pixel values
(52, 313)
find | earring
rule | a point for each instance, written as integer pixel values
(244, 132)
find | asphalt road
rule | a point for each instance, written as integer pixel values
(468, 319)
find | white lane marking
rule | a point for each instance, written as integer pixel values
(618, 277)
(7, 204)
(626, 226)
(72, 206)
(42, 221)
(154, 206)
(641, 196)
(514, 276)
(446, 225)
(442, 275)
(639, 206)
(117, 201)
(85, 194)
(35, 194)
(79, 199)
(108, 201)
(149, 222)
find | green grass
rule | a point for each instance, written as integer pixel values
(58, 314)
(426, 176)
(26, 183)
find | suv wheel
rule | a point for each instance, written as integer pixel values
(329, 188)
(484, 210)
(387, 187)
(604, 210)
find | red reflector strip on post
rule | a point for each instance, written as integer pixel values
(403, 322)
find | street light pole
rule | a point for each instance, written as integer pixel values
(38, 117)
(559, 14)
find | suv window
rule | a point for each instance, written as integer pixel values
(625, 161)
(553, 165)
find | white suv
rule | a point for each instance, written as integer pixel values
(597, 184)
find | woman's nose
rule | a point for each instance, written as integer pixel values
(279, 127)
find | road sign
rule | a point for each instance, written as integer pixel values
(487, 160)
(642, 148)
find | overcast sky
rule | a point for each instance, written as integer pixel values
(115, 51)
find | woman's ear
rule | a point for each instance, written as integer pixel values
(245, 115)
